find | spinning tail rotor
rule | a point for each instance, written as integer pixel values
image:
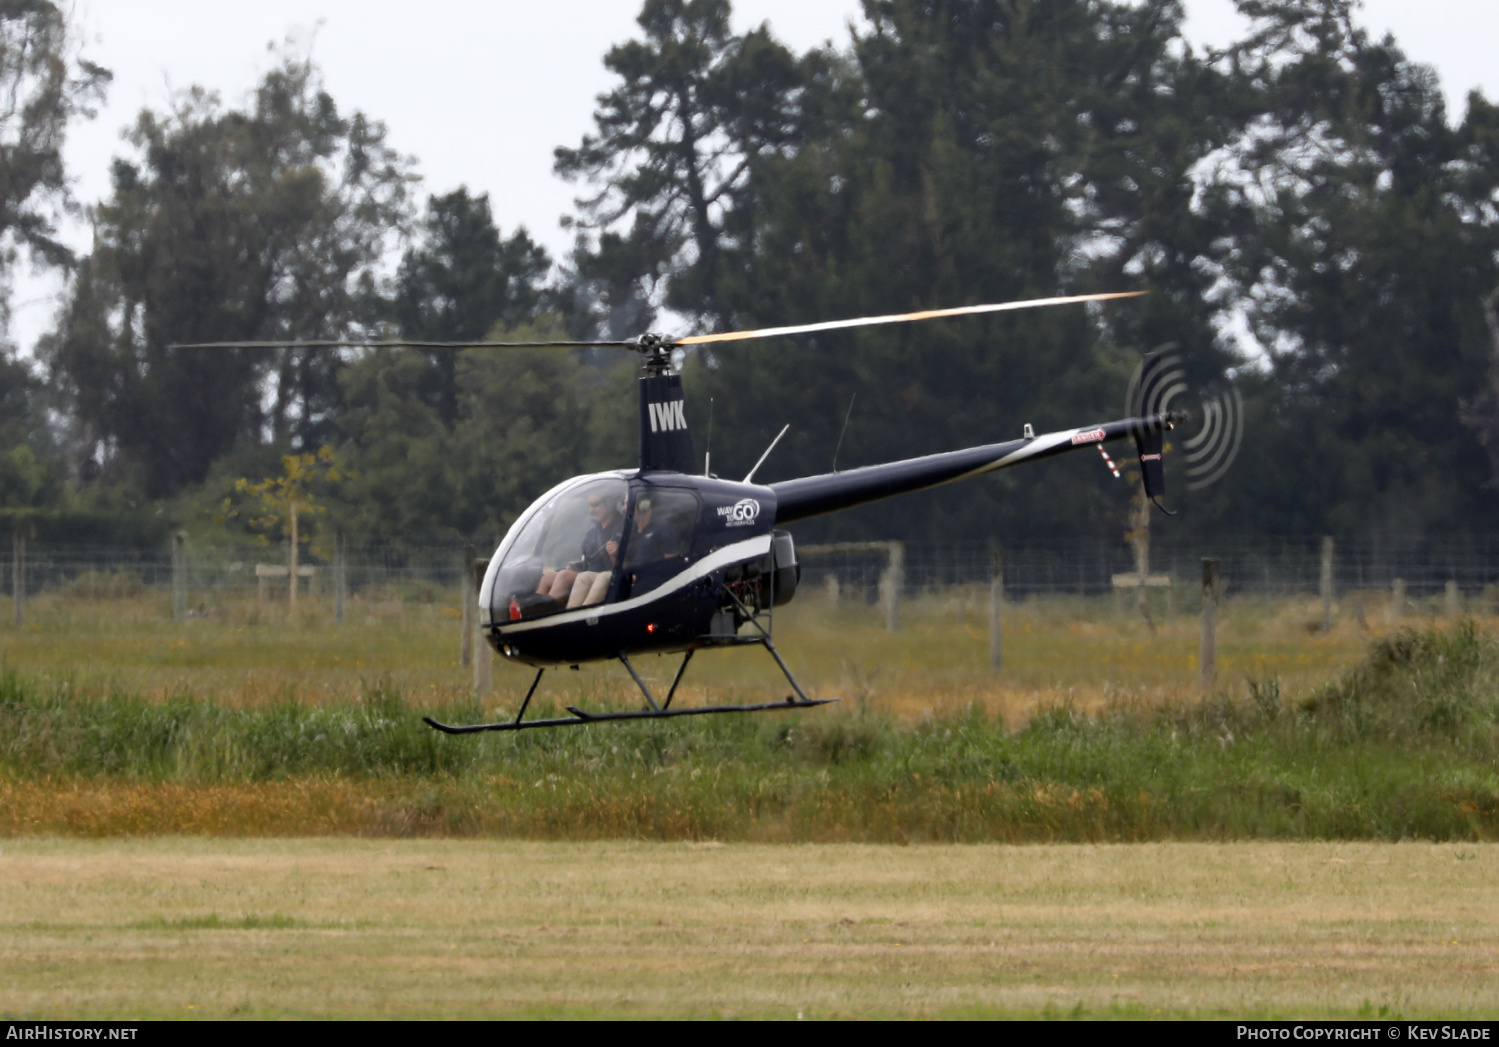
(1158, 384)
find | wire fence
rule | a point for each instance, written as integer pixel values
(1271, 567)
(198, 580)
(205, 580)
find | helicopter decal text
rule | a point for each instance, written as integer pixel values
(1092, 436)
(744, 511)
(667, 416)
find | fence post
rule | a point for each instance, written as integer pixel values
(892, 581)
(1397, 600)
(1139, 540)
(338, 576)
(1327, 554)
(470, 607)
(484, 656)
(1209, 656)
(291, 567)
(996, 603)
(18, 572)
(1454, 599)
(179, 576)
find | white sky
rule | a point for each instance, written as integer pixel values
(482, 91)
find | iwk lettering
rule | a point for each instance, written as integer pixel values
(667, 416)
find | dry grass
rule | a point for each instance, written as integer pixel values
(299, 807)
(337, 928)
(1057, 650)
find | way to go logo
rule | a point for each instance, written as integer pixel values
(744, 511)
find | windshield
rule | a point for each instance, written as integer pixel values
(565, 555)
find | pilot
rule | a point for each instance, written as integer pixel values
(585, 581)
(655, 539)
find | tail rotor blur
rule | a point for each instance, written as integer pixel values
(1214, 447)
(1160, 385)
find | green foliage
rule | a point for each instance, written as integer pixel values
(673, 151)
(264, 223)
(1420, 686)
(1000, 151)
(460, 283)
(30, 470)
(46, 86)
(1360, 238)
(525, 419)
(986, 150)
(1302, 185)
(279, 501)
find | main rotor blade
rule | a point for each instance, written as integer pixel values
(401, 344)
(901, 318)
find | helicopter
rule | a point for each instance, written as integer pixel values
(663, 559)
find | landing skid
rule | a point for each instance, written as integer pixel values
(580, 717)
(652, 711)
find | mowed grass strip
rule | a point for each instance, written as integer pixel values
(193, 927)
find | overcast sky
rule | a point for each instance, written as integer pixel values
(482, 91)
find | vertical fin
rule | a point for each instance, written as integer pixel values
(665, 441)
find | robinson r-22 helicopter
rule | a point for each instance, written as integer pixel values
(662, 559)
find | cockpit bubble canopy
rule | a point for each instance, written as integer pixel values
(564, 553)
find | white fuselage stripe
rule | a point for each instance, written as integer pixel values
(1044, 442)
(729, 554)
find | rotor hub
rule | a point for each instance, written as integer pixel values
(655, 350)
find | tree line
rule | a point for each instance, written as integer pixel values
(1311, 225)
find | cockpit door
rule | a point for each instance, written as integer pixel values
(658, 537)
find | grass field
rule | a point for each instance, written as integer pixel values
(1057, 649)
(159, 784)
(1401, 746)
(181, 928)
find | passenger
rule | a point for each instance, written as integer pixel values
(579, 581)
(654, 539)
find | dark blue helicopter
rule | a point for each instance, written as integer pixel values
(662, 559)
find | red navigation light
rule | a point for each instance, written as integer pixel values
(651, 628)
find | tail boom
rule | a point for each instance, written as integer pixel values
(810, 496)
